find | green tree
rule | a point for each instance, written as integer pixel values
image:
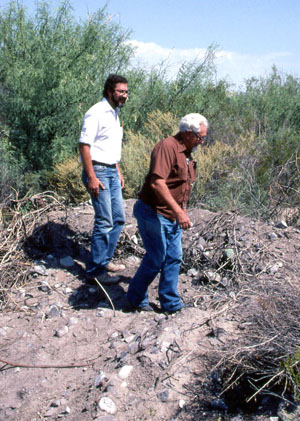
(52, 69)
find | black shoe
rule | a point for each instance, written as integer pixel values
(130, 308)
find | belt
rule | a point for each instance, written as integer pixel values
(103, 164)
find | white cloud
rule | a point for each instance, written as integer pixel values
(233, 66)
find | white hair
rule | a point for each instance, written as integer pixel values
(192, 122)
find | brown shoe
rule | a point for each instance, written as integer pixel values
(113, 267)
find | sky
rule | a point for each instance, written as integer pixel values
(250, 35)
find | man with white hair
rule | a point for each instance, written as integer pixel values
(161, 213)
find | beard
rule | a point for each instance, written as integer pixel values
(119, 102)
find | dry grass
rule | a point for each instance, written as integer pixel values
(262, 293)
(17, 223)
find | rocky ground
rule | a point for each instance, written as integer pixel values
(68, 351)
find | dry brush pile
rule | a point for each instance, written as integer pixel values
(250, 270)
(18, 220)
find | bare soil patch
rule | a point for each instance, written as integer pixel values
(67, 352)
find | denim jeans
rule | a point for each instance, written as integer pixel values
(162, 241)
(109, 218)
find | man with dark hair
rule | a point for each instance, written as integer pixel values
(100, 150)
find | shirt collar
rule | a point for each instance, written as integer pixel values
(181, 145)
(109, 108)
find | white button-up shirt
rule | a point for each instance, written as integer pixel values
(102, 131)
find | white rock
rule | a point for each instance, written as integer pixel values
(67, 410)
(72, 321)
(107, 405)
(181, 403)
(129, 339)
(281, 224)
(125, 371)
(62, 332)
(164, 346)
(2, 332)
(40, 270)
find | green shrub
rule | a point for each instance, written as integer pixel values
(137, 149)
(65, 179)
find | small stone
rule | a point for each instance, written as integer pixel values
(40, 270)
(125, 371)
(100, 378)
(201, 243)
(68, 290)
(100, 313)
(72, 321)
(44, 286)
(219, 404)
(228, 253)
(56, 403)
(163, 396)
(2, 332)
(107, 405)
(129, 339)
(273, 269)
(192, 272)
(181, 403)
(53, 311)
(272, 236)
(50, 413)
(66, 262)
(281, 224)
(133, 348)
(62, 331)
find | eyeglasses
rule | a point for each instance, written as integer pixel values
(122, 91)
(201, 138)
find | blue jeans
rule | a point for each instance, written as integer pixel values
(109, 218)
(162, 241)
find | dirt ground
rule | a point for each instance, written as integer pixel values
(68, 351)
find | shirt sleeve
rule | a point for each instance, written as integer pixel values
(162, 160)
(89, 128)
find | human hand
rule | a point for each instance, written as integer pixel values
(94, 185)
(183, 220)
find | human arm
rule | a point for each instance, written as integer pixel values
(160, 188)
(93, 183)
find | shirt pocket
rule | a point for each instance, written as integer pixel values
(182, 173)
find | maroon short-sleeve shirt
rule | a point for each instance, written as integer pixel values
(171, 161)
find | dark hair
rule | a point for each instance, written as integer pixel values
(111, 82)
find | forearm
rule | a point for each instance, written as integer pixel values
(86, 160)
(93, 183)
(163, 193)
